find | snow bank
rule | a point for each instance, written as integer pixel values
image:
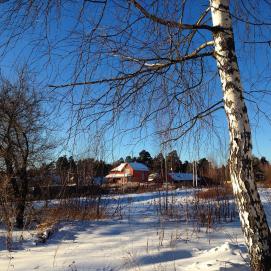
(137, 240)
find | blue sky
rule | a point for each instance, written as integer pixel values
(255, 71)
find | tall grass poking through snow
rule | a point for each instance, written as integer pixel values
(213, 205)
(204, 207)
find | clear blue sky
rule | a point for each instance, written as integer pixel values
(255, 69)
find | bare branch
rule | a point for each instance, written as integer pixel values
(173, 23)
(157, 66)
(190, 56)
(259, 42)
(215, 107)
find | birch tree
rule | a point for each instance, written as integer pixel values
(152, 60)
(251, 212)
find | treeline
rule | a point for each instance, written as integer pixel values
(89, 170)
(171, 162)
(261, 168)
(67, 170)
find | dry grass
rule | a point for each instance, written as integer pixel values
(213, 205)
(266, 184)
(70, 212)
(49, 217)
(215, 192)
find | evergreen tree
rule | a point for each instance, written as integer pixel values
(145, 158)
(158, 164)
(173, 161)
(128, 159)
(62, 164)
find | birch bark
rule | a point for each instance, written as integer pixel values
(251, 212)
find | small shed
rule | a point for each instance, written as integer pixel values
(182, 179)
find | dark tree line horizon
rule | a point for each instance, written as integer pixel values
(160, 163)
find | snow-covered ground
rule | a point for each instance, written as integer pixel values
(137, 238)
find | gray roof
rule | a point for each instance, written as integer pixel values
(180, 177)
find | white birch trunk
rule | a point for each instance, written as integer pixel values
(251, 212)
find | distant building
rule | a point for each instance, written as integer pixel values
(155, 177)
(182, 179)
(128, 173)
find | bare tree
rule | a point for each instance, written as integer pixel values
(142, 57)
(22, 137)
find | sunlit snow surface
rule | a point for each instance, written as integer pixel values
(137, 238)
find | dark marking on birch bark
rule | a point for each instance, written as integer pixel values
(245, 109)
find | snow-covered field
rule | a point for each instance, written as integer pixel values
(137, 238)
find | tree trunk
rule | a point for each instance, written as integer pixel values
(20, 206)
(19, 192)
(251, 212)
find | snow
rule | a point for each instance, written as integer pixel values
(134, 165)
(136, 238)
(120, 167)
(117, 175)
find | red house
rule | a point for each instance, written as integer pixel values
(128, 173)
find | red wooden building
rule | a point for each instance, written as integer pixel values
(128, 172)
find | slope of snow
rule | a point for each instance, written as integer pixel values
(135, 165)
(117, 175)
(119, 167)
(137, 238)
